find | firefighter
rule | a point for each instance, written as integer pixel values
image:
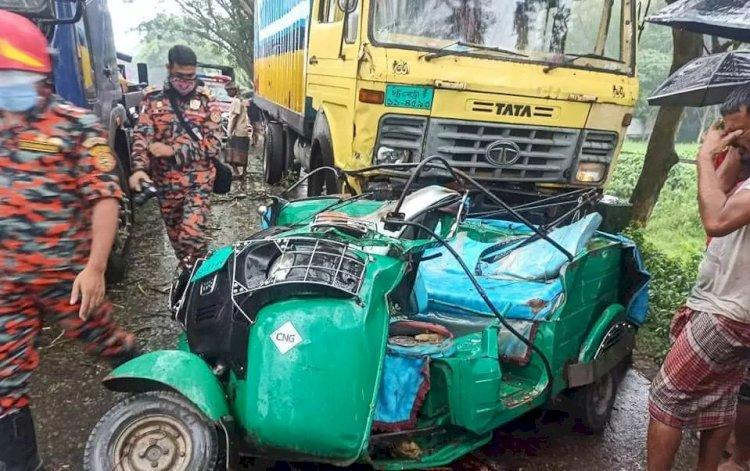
(176, 155)
(59, 203)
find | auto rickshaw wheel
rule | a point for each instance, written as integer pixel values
(593, 404)
(153, 431)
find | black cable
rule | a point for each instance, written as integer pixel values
(307, 177)
(418, 172)
(455, 173)
(570, 197)
(486, 299)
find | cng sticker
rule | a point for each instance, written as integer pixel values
(286, 338)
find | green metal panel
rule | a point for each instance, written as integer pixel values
(316, 400)
(612, 314)
(181, 371)
(303, 211)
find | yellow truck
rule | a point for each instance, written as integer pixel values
(533, 95)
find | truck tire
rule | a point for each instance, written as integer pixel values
(323, 182)
(153, 430)
(117, 263)
(291, 164)
(273, 154)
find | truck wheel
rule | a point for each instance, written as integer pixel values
(323, 182)
(273, 154)
(157, 430)
(592, 404)
(117, 263)
(291, 164)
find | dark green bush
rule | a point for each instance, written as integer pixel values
(671, 282)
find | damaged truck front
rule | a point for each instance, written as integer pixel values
(534, 95)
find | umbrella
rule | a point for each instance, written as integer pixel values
(725, 18)
(704, 81)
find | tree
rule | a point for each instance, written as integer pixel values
(225, 24)
(661, 155)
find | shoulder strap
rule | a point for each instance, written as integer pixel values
(180, 117)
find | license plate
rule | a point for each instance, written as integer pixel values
(409, 96)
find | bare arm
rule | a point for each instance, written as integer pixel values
(103, 229)
(721, 214)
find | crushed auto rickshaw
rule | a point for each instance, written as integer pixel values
(397, 333)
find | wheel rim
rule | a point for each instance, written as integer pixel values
(153, 443)
(601, 395)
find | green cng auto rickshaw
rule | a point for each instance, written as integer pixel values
(397, 333)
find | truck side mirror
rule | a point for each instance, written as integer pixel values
(142, 72)
(348, 6)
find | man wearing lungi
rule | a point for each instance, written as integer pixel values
(698, 384)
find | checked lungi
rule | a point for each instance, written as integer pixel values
(698, 384)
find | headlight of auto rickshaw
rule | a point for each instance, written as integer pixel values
(591, 172)
(388, 155)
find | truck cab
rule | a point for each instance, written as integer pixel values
(528, 95)
(86, 73)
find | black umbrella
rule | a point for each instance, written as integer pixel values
(704, 81)
(725, 18)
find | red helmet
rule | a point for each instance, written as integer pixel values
(22, 46)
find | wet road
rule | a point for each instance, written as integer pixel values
(68, 398)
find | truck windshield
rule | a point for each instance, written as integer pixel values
(549, 31)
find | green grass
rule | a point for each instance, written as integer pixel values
(672, 242)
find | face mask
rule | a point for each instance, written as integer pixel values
(184, 87)
(18, 92)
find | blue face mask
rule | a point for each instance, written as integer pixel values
(19, 97)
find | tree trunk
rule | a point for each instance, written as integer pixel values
(661, 155)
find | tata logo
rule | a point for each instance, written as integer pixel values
(517, 110)
(503, 153)
(509, 109)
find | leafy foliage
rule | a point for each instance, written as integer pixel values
(225, 25)
(677, 209)
(671, 282)
(672, 243)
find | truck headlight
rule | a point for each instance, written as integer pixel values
(388, 155)
(591, 172)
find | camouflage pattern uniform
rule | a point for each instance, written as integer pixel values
(52, 170)
(185, 181)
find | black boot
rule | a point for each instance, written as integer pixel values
(18, 451)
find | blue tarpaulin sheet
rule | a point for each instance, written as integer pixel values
(443, 286)
(540, 260)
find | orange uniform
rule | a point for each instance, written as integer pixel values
(185, 180)
(52, 169)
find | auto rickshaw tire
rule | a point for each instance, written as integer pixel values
(592, 405)
(273, 154)
(153, 427)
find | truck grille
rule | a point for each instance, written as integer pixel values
(546, 153)
(402, 132)
(598, 146)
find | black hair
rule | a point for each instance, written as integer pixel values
(231, 86)
(739, 98)
(182, 55)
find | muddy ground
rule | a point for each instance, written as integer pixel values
(68, 398)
